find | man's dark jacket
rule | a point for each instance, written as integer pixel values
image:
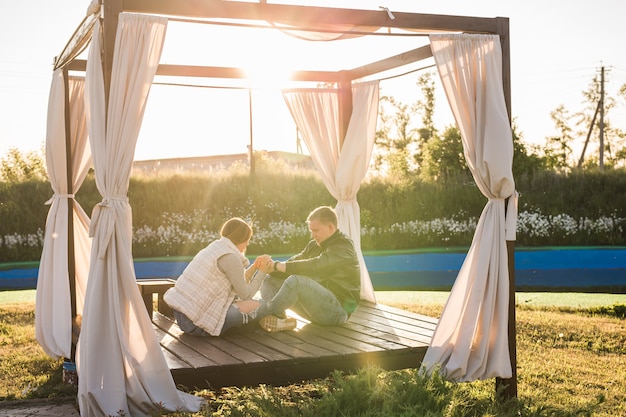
(334, 264)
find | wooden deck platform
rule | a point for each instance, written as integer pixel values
(375, 334)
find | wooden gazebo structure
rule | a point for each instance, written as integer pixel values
(372, 317)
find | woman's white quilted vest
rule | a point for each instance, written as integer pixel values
(203, 292)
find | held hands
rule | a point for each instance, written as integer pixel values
(260, 260)
(264, 263)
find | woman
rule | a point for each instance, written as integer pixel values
(214, 292)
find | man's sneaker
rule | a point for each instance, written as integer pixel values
(275, 324)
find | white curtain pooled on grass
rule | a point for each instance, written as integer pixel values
(471, 339)
(121, 368)
(53, 313)
(342, 167)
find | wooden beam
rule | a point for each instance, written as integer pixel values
(221, 72)
(200, 71)
(302, 16)
(77, 65)
(405, 58)
(308, 16)
(232, 72)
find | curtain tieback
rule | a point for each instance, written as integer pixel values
(346, 202)
(107, 200)
(510, 218)
(96, 217)
(56, 196)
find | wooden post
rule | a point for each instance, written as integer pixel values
(508, 387)
(71, 256)
(503, 31)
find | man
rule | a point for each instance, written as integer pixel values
(322, 283)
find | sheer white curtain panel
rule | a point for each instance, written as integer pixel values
(332, 33)
(471, 339)
(341, 166)
(53, 314)
(121, 368)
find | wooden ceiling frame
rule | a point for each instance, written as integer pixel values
(303, 17)
(308, 17)
(299, 17)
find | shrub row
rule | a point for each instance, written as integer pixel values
(177, 214)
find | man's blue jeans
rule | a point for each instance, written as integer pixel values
(304, 296)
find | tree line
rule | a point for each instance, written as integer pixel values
(408, 143)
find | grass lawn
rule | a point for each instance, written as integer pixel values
(17, 297)
(571, 352)
(529, 299)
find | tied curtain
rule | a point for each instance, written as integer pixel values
(53, 307)
(470, 341)
(342, 162)
(121, 368)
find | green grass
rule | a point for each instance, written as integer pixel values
(571, 349)
(529, 299)
(568, 299)
(17, 297)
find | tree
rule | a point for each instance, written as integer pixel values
(395, 138)
(527, 161)
(558, 150)
(444, 157)
(427, 107)
(616, 140)
(399, 141)
(18, 167)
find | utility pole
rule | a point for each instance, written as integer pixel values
(600, 110)
(601, 163)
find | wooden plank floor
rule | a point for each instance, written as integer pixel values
(375, 334)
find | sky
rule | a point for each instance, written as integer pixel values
(556, 50)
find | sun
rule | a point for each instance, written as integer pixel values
(269, 74)
(269, 66)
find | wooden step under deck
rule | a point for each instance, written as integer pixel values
(375, 334)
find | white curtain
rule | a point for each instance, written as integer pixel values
(316, 113)
(333, 32)
(53, 314)
(121, 368)
(471, 339)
